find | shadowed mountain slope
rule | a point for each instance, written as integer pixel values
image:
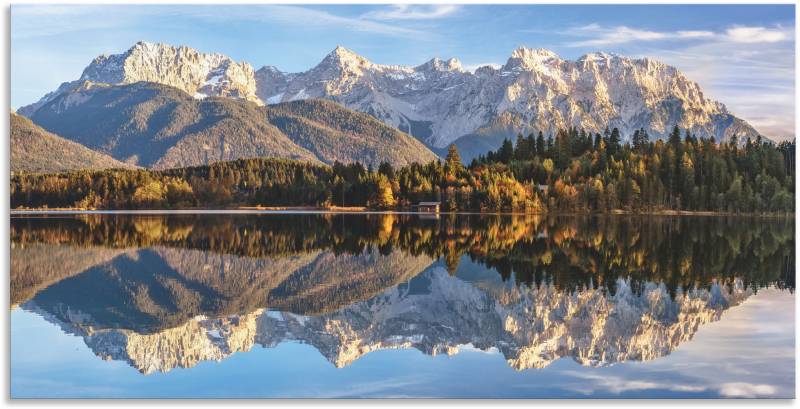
(159, 126)
(35, 150)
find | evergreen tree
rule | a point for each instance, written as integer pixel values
(540, 146)
(521, 148)
(386, 169)
(530, 144)
(613, 141)
(506, 151)
(640, 140)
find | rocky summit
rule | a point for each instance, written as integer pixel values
(197, 73)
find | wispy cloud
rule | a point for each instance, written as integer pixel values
(591, 383)
(746, 390)
(315, 17)
(694, 34)
(597, 35)
(33, 21)
(307, 17)
(620, 385)
(622, 34)
(412, 12)
(756, 34)
(48, 20)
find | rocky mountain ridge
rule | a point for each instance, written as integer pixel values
(439, 102)
(438, 314)
(199, 74)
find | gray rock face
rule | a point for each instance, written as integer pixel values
(537, 88)
(439, 102)
(196, 73)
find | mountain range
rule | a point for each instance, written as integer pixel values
(439, 102)
(161, 126)
(433, 313)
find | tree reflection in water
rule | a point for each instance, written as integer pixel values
(598, 289)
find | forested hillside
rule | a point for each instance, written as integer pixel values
(160, 127)
(334, 133)
(598, 172)
(574, 172)
(37, 151)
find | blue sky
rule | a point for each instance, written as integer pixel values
(741, 55)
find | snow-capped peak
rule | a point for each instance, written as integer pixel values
(344, 57)
(271, 68)
(145, 45)
(599, 55)
(183, 67)
(533, 53)
(537, 88)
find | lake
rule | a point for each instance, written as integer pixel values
(401, 305)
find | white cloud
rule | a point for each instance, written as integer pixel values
(746, 390)
(413, 12)
(37, 21)
(314, 17)
(694, 34)
(308, 17)
(600, 35)
(620, 385)
(742, 34)
(593, 383)
(32, 21)
(622, 34)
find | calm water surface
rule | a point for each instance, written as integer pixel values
(333, 305)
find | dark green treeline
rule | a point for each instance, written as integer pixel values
(575, 171)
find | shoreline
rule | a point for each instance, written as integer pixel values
(364, 210)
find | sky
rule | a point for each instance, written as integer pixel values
(741, 55)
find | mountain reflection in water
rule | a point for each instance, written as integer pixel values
(167, 291)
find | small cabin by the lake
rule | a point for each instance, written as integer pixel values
(542, 188)
(432, 207)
